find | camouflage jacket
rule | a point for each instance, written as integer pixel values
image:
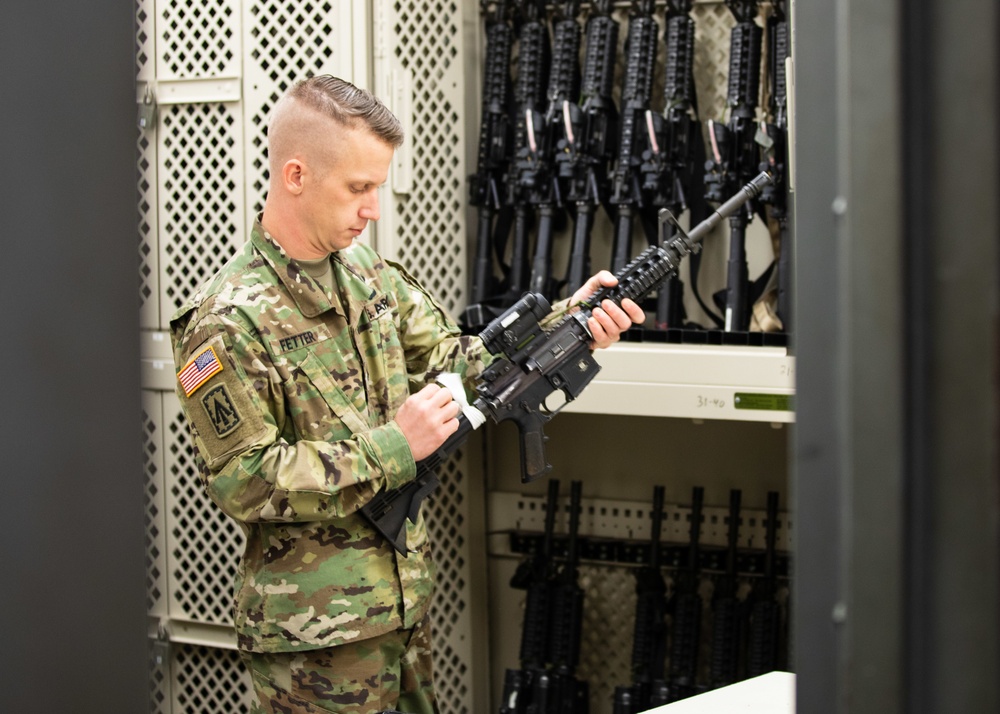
(290, 394)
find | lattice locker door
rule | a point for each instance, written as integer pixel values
(422, 65)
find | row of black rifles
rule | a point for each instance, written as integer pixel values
(554, 147)
(722, 619)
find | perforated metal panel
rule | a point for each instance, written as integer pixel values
(209, 680)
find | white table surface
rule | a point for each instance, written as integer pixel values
(771, 693)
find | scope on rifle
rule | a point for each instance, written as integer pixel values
(507, 333)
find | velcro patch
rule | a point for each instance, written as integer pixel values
(221, 410)
(199, 370)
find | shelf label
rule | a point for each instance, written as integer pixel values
(769, 402)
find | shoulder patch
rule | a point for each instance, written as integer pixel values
(221, 410)
(199, 370)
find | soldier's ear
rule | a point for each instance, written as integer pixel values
(292, 174)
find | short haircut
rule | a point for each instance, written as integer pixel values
(348, 105)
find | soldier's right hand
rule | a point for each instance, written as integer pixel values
(427, 419)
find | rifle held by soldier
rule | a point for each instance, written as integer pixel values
(536, 359)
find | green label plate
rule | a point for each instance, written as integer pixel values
(769, 402)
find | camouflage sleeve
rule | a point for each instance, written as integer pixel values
(431, 340)
(237, 417)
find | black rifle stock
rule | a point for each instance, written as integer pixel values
(727, 608)
(735, 154)
(649, 639)
(637, 90)
(685, 610)
(589, 139)
(535, 361)
(486, 191)
(765, 615)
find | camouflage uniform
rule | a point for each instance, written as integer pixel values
(290, 394)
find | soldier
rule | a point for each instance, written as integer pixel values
(306, 370)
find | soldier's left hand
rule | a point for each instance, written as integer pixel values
(607, 321)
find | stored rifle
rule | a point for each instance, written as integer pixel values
(685, 610)
(775, 138)
(765, 616)
(588, 143)
(539, 175)
(534, 361)
(570, 695)
(735, 154)
(527, 688)
(649, 639)
(533, 51)
(727, 619)
(626, 191)
(673, 164)
(486, 191)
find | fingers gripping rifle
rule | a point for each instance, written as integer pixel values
(535, 361)
(486, 185)
(589, 138)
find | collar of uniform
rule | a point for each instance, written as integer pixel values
(309, 296)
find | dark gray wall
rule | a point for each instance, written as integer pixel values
(72, 594)
(895, 455)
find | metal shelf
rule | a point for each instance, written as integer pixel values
(692, 381)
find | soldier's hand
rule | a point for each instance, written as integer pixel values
(608, 321)
(427, 419)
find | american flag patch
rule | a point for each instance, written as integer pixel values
(196, 372)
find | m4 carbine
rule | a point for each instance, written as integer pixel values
(536, 359)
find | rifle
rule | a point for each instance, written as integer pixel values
(673, 164)
(534, 361)
(727, 622)
(529, 135)
(735, 155)
(539, 174)
(527, 689)
(570, 695)
(587, 146)
(685, 609)
(626, 192)
(765, 617)
(775, 138)
(486, 185)
(649, 639)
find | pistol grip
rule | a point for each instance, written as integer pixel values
(533, 463)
